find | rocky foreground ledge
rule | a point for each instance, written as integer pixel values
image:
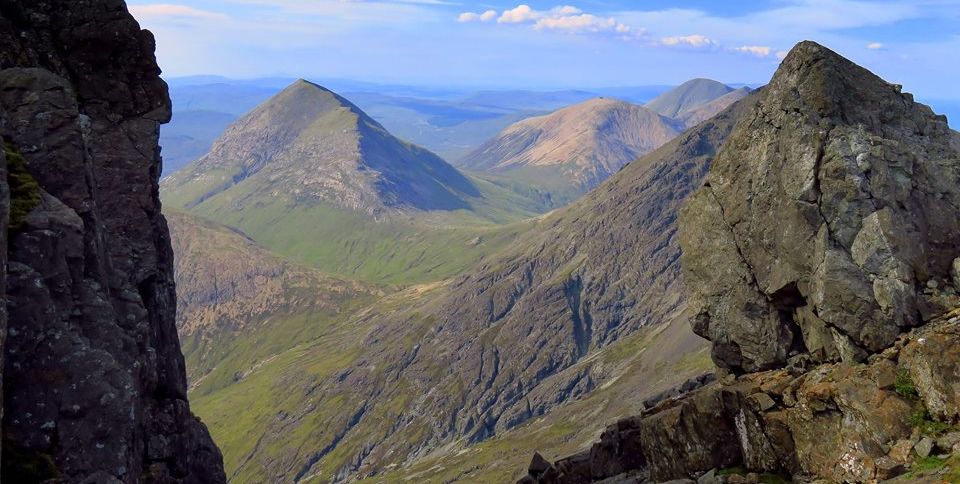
(821, 260)
(841, 422)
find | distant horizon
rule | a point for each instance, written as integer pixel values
(941, 105)
(551, 45)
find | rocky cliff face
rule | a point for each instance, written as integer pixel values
(94, 381)
(828, 212)
(825, 231)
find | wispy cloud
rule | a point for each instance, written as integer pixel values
(695, 40)
(169, 10)
(757, 50)
(563, 18)
(875, 46)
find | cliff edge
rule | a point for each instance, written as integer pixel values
(93, 377)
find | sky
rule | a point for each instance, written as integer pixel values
(546, 45)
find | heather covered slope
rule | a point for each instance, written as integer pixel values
(572, 150)
(426, 372)
(239, 304)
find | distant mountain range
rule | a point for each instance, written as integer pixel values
(570, 151)
(449, 122)
(584, 301)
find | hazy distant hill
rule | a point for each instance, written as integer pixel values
(698, 114)
(573, 149)
(687, 96)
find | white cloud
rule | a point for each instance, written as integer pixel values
(695, 40)
(875, 46)
(167, 10)
(757, 50)
(477, 17)
(581, 23)
(782, 54)
(520, 14)
(564, 18)
(567, 10)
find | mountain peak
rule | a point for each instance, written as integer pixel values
(816, 80)
(576, 147)
(311, 145)
(687, 96)
(837, 187)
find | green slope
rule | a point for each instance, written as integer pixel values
(311, 177)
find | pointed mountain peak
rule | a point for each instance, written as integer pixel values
(815, 80)
(313, 146)
(305, 96)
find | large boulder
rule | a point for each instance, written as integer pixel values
(823, 219)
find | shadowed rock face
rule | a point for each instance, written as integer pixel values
(827, 213)
(95, 388)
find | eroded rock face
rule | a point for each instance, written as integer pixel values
(95, 388)
(823, 219)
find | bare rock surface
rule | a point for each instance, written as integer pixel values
(95, 387)
(823, 220)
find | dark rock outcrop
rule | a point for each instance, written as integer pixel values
(824, 236)
(94, 382)
(824, 217)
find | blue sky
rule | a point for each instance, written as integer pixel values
(541, 44)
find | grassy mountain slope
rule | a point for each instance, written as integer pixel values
(556, 317)
(238, 304)
(310, 176)
(696, 115)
